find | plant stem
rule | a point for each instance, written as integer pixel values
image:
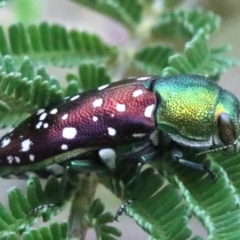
(78, 222)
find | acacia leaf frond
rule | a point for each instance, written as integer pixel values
(90, 76)
(54, 44)
(123, 11)
(186, 23)
(24, 90)
(153, 59)
(199, 59)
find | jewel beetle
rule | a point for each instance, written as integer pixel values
(190, 110)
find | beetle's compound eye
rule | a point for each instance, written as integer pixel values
(227, 131)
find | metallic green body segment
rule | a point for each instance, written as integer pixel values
(186, 109)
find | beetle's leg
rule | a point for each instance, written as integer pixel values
(86, 165)
(107, 157)
(144, 154)
(122, 209)
(177, 156)
(76, 165)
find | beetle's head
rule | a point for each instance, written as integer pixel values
(226, 135)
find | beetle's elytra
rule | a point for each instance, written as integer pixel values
(191, 110)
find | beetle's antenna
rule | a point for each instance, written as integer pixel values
(217, 149)
(213, 150)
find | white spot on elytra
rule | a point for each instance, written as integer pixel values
(112, 115)
(97, 102)
(10, 159)
(31, 157)
(45, 125)
(17, 159)
(143, 78)
(69, 132)
(108, 156)
(54, 111)
(149, 110)
(39, 125)
(103, 87)
(64, 147)
(121, 107)
(137, 93)
(26, 145)
(42, 116)
(111, 131)
(40, 111)
(139, 135)
(95, 118)
(5, 142)
(74, 98)
(65, 116)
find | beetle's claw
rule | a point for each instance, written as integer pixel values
(122, 209)
(211, 173)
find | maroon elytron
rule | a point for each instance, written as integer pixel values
(102, 120)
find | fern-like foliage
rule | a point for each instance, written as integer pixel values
(154, 220)
(55, 231)
(215, 203)
(22, 210)
(186, 23)
(199, 59)
(90, 77)
(153, 59)
(153, 204)
(124, 11)
(23, 90)
(99, 220)
(52, 232)
(54, 44)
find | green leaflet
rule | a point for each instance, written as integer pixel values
(186, 23)
(56, 231)
(153, 212)
(215, 203)
(99, 220)
(124, 11)
(21, 216)
(153, 59)
(23, 91)
(199, 59)
(54, 44)
(90, 76)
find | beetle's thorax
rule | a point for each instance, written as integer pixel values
(186, 109)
